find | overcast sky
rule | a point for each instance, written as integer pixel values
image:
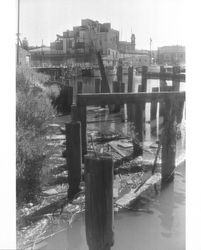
(162, 20)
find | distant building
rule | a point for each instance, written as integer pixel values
(171, 55)
(79, 45)
(136, 60)
(127, 47)
(91, 34)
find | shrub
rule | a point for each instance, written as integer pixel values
(33, 109)
(63, 99)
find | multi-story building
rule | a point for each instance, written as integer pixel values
(171, 55)
(90, 34)
(79, 45)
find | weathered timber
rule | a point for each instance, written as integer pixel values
(144, 79)
(163, 87)
(130, 107)
(134, 193)
(74, 113)
(99, 202)
(38, 214)
(104, 83)
(139, 114)
(82, 117)
(169, 141)
(116, 89)
(73, 147)
(163, 82)
(166, 76)
(130, 79)
(119, 73)
(176, 80)
(154, 105)
(179, 111)
(139, 117)
(122, 98)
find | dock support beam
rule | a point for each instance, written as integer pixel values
(99, 202)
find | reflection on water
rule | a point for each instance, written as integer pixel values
(164, 229)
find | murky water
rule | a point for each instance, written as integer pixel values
(160, 229)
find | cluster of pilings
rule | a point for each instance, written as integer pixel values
(98, 169)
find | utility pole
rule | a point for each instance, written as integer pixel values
(18, 31)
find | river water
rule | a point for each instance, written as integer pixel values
(161, 224)
(161, 228)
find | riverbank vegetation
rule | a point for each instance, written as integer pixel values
(33, 109)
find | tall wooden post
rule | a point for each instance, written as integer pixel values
(74, 113)
(119, 73)
(130, 107)
(162, 82)
(130, 79)
(176, 80)
(139, 115)
(116, 89)
(73, 148)
(82, 117)
(144, 79)
(99, 202)
(163, 87)
(169, 141)
(154, 105)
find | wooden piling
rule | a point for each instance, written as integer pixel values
(116, 89)
(130, 107)
(154, 105)
(99, 202)
(73, 148)
(163, 88)
(169, 141)
(130, 79)
(139, 120)
(119, 73)
(74, 113)
(139, 113)
(144, 79)
(176, 81)
(82, 117)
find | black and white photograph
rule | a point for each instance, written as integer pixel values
(100, 125)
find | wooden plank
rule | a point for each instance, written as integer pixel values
(166, 76)
(133, 194)
(122, 98)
